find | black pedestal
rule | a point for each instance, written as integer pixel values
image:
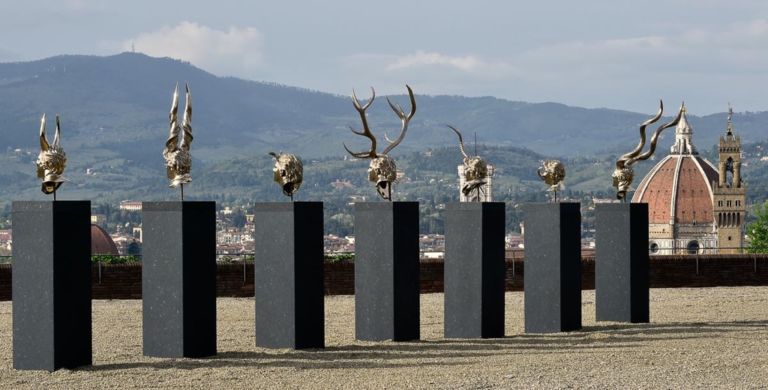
(552, 267)
(474, 270)
(51, 285)
(621, 262)
(179, 279)
(288, 281)
(387, 271)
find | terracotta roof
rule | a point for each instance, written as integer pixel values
(101, 242)
(678, 185)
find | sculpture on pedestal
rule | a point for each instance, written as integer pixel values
(178, 160)
(51, 161)
(553, 173)
(382, 170)
(288, 172)
(475, 172)
(623, 175)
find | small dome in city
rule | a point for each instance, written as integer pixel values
(101, 242)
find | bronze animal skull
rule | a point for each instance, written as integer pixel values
(178, 160)
(382, 170)
(288, 172)
(52, 160)
(475, 171)
(624, 174)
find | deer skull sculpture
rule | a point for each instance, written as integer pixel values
(382, 170)
(288, 172)
(52, 160)
(624, 174)
(178, 161)
(475, 171)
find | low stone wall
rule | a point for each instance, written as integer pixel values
(123, 281)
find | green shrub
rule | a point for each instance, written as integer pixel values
(112, 259)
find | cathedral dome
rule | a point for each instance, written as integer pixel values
(101, 242)
(679, 188)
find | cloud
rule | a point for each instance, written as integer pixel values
(422, 58)
(233, 52)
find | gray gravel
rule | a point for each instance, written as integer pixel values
(698, 338)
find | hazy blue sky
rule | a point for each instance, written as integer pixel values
(617, 54)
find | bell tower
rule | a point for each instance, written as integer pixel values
(730, 193)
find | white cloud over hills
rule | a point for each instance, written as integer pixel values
(237, 51)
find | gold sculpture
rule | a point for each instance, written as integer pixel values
(178, 161)
(52, 160)
(382, 169)
(288, 172)
(475, 171)
(553, 173)
(623, 175)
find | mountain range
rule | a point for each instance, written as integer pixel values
(114, 114)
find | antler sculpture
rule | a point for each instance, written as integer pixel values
(51, 161)
(623, 175)
(475, 171)
(178, 161)
(288, 172)
(382, 169)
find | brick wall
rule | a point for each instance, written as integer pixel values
(236, 280)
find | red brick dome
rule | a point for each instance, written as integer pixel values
(679, 186)
(101, 242)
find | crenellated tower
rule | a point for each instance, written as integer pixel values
(730, 193)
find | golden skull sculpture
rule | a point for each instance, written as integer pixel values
(288, 172)
(552, 172)
(51, 161)
(475, 171)
(178, 160)
(382, 170)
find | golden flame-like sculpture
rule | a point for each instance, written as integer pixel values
(382, 170)
(178, 160)
(553, 173)
(52, 160)
(288, 172)
(475, 171)
(624, 174)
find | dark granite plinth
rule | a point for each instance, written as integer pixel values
(387, 271)
(474, 270)
(621, 262)
(552, 273)
(179, 279)
(288, 281)
(51, 285)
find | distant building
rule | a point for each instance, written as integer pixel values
(102, 243)
(693, 207)
(98, 219)
(730, 193)
(130, 205)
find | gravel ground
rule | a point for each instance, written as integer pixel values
(703, 338)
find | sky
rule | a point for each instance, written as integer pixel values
(617, 54)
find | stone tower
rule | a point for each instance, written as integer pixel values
(730, 193)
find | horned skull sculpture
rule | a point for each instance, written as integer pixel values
(178, 161)
(52, 160)
(624, 174)
(288, 172)
(475, 171)
(553, 173)
(382, 170)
